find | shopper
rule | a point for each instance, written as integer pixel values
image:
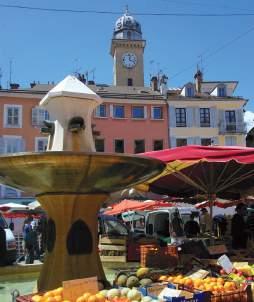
(191, 227)
(205, 221)
(239, 228)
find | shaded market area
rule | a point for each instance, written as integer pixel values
(84, 247)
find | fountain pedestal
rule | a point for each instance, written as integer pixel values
(72, 238)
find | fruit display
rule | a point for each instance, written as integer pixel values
(124, 294)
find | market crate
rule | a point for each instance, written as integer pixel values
(233, 296)
(153, 255)
(112, 249)
(196, 296)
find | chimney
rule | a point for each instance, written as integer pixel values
(154, 83)
(32, 84)
(198, 80)
(14, 86)
(163, 85)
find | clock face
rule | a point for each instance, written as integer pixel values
(129, 60)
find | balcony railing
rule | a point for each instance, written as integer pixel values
(181, 124)
(203, 125)
(227, 128)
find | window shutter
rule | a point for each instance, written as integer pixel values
(34, 116)
(214, 117)
(197, 140)
(1, 145)
(172, 142)
(189, 113)
(222, 120)
(239, 120)
(172, 117)
(145, 112)
(190, 141)
(197, 117)
(111, 110)
(19, 145)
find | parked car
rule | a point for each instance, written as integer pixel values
(8, 250)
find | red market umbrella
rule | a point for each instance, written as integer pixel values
(134, 205)
(225, 172)
(220, 203)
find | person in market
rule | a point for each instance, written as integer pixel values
(191, 227)
(239, 230)
(204, 221)
(28, 235)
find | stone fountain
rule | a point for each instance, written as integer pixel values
(71, 181)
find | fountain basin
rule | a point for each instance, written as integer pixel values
(71, 187)
(75, 172)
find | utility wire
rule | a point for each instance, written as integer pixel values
(215, 51)
(59, 10)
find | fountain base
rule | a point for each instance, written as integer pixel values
(72, 238)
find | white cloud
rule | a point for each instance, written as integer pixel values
(249, 119)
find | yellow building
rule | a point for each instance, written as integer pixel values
(206, 113)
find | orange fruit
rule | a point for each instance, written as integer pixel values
(92, 298)
(48, 294)
(50, 299)
(58, 298)
(80, 299)
(86, 296)
(100, 298)
(58, 291)
(37, 298)
(170, 279)
(163, 278)
(188, 282)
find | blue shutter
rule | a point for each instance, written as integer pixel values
(197, 140)
(239, 120)
(189, 111)
(172, 117)
(213, 117)
(1, 145)
(222, 121)
(197, 117)
(190, 141)
(172, 142)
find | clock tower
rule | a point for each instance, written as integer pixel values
(127, 50)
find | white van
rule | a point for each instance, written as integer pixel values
(168, 222)
(8, 250)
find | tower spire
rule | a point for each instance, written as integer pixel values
(126, 9)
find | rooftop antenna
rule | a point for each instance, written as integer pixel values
(93, 73)
(1, 75)
(10, 70)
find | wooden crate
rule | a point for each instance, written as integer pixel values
(112, 249)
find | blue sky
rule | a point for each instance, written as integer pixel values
(46, 46)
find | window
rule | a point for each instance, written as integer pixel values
(139, 146)
(12, 116)
(130, 82)
(230, 120)
(41, 144)
(99, 144)
(118, 111)
(189, 91)
(138, 112)
(222, 91)
(157, 113)
(10, 192)
(158, 145)
(206, 142)
(230, 140)
(181, 142)
(204, 117)
(119, 145)
(100, 111)
(180, 117)
(13, 144)
(38, 116)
